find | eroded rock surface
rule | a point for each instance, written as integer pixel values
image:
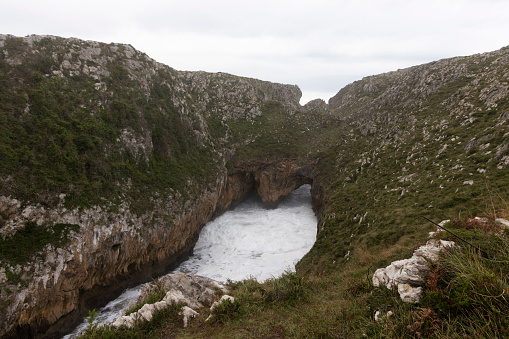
(195, 292)
(199, 291)
(274, 180)
(408, 274)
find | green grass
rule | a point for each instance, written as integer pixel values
(226, 311)
(465, 294)
(21, 247)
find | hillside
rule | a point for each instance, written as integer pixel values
(428, 140)
(112, 163)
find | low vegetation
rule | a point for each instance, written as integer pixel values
(19, 248)
(61, 134)
(466, 292)
(152, 298)
(165, 324)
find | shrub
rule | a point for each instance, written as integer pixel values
(472, 286)
(19, 247)
(289, 288)
(226, 311)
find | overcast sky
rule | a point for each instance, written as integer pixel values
(319, 45)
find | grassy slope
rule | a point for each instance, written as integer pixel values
(61, 134)
(420, 164)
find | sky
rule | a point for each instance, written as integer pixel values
(319, 45)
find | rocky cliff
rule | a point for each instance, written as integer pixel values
(109, 251)
(159, 139)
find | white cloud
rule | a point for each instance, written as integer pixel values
(320, 45)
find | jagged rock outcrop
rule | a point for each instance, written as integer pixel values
(195, 292)
(274, 180)
(108, 249)
(409, 274)
(317, 105)
(201, 291)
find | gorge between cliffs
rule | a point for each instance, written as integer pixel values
(110, 257)
(113, 162)
(250, 241)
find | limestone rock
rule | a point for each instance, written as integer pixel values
(317, 105)
(147, 311)
(276, 179)
(187, 313)
(193, 291)
(379, 316)
(409, 294)
(174, 296)
(402, 271)
(433, 248)
(503, 222)
(124, 320)
(406, 273)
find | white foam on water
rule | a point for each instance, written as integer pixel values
(254, 241)
(248, 241)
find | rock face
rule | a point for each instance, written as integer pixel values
(317, 105)
(115, 248)
(156, 119)
(274, 180)
(200, 291)
(109, 249)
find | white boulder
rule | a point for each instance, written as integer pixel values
(146, 312)
(504, 223)
(379, 316)
(406, 273)
(409, 294)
